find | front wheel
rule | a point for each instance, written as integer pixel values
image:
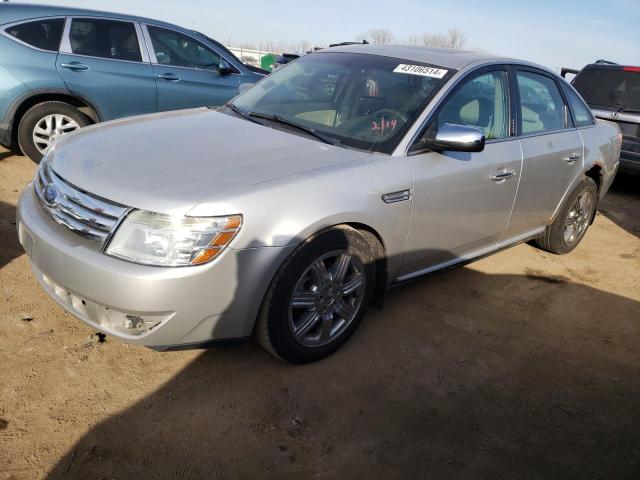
(43, 124)
(318, 297)
(573, 220)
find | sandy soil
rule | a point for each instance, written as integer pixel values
(522, 365)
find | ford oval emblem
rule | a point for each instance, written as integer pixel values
(50, 194)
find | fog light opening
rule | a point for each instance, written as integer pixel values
(134, 322)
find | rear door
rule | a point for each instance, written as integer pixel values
(552, 150)
(462, 201)
(188, 71)
(101, 60)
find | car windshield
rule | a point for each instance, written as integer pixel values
(360, 101)
(617, 88)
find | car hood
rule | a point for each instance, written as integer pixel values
(170, 162)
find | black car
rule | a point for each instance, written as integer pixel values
(283, 59)
(613, 93)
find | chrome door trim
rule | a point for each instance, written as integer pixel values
(141, 43)
(149, 45)
(65, 44)
(4, 33)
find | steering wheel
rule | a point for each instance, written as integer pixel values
(365, 128)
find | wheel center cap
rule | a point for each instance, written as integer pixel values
(328, 297)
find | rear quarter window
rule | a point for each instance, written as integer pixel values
(42, 34)
(581, 114)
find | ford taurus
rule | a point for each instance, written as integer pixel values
(284, 213)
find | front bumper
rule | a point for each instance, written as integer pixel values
(184, 306)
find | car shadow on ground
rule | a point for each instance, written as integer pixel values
(461, 375)
(10, 246)
(6, 154)
(620, 205)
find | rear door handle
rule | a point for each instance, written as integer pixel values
(75, 66)
(571, 158)
(503, 174)
(171, 77)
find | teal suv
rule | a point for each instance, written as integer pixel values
(64, 68)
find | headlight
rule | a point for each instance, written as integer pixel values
(163, 240)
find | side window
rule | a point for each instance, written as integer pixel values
(105, 39)
(178, 50)
(481, 102)
(43, 34)
(542, 107)
(581, 114)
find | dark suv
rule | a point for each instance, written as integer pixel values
(613, 93)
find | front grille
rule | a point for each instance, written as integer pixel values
(82, 213)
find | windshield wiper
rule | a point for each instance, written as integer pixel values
(284, 121)
(243, 114)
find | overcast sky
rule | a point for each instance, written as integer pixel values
(551, 32)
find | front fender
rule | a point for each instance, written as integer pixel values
(288, 210)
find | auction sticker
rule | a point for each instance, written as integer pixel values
(420, 70)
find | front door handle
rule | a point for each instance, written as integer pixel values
(503, 174)
(171, 77)
(75, 66)
(571, 158)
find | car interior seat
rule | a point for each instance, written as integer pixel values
(83, 42)
(531, 121)
(129, 49)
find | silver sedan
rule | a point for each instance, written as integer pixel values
(284, 213)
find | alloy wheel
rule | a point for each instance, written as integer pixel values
(327, 298)
(578, 218)
(48, 129)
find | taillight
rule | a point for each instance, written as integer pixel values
(631, 69)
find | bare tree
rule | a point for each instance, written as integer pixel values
(378, 36)
(413, 40)
(457, 38)
(303, 46)
(454, 38)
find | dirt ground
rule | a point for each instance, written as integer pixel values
(522, 365)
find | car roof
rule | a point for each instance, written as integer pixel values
(443, 57)
(15, 12)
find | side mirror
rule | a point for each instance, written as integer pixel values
(456, 138)
(225, 68)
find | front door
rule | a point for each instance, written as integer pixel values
(100, 60)
(462, 201)
(188, 72)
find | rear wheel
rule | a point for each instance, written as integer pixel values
(573, 220)
(318, 297)
(43, 124)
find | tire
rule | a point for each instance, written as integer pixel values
(328, 311)
(558, 238)
(36, 115)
